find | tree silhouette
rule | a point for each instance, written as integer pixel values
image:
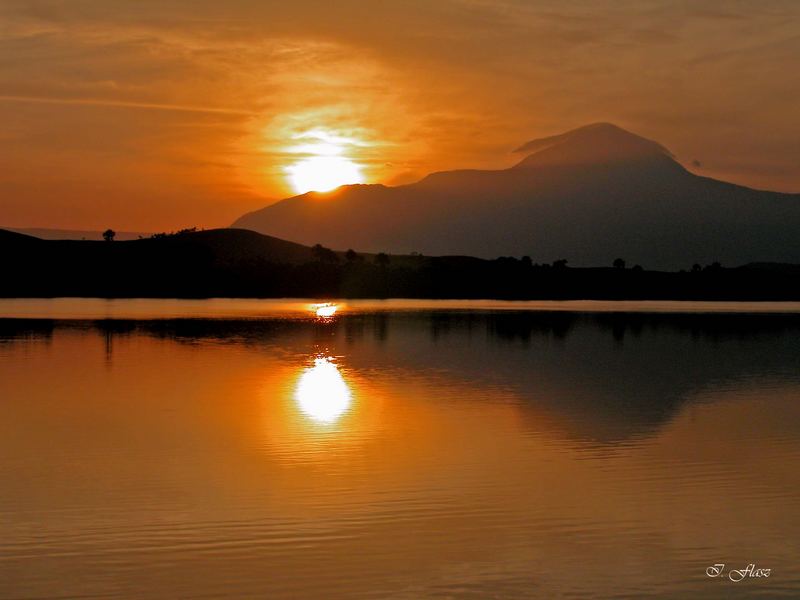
(382, 259)
(619, 263)
(109, 234)
(696, 268)
(323, 254)
(351, 255)
(561, 263)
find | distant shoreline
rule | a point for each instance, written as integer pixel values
(235, 309)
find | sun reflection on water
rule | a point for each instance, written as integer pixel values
(325, 310)
(322, 393)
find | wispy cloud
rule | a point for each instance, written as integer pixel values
(126, 104)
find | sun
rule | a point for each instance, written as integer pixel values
(323, 173)
(325, 166)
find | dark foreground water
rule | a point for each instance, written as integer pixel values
(398, 450)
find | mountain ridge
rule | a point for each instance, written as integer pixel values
(588, 195)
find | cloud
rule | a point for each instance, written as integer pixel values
(124, 104)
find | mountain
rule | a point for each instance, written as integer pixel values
(589, 195)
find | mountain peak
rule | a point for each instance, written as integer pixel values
(590, 144)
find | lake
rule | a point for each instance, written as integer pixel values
(398, 449)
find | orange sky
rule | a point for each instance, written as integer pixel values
(156, 115)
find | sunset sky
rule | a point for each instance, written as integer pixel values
(155, 115)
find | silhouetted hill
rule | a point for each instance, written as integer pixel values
(589, 195)
(46, 233)
(239, 263)
(233, 245)
(223, 244)
(785, 268)
(190, 263)
(12, 237)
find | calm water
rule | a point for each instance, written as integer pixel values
(397, 450)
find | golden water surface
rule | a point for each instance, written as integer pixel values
(396, 451)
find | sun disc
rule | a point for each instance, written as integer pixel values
(323, 173)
